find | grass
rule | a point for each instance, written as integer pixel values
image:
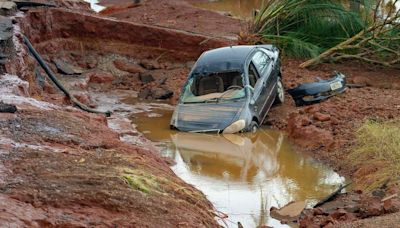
(141, 181)
(378, 144)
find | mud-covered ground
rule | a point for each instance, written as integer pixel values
(61, 166)
(324, 130)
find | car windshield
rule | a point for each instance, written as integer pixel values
(214, 87)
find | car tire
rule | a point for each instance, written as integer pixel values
(280, 93)
(253, 127)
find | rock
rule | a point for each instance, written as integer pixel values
(311, 109)
(150, 64)
(371, 207)
(8, 108)
(83, 98)
(307, 136)
(305, 121)
(161, 93)
(143, 94)
(66, 68)
(91, 63)
(128, 67)
(321, 117)
(290, 212)
(319, 211)
(146, 77)
(7, 8)
(391, 205)
(379, 193)
(6, 43)
(40, 79)
(100, 77)
(339, 213)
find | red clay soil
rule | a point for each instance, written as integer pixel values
(67, 168)
(63, 167)
(177, 14)
(326, 130)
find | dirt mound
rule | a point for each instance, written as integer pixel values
(176, 14)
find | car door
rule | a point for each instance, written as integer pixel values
(258, 88)
(264, 66)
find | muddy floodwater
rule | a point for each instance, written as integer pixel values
(243, 175)
(239, 8)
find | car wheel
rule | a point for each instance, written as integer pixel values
(253, 127)
(280, 94)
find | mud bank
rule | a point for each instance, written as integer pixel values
(63, 167)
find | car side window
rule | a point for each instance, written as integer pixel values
(253, 75)
(261, 61)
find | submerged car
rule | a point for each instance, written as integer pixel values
(230, 90)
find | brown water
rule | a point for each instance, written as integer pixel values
(242, 175)
(240, 8)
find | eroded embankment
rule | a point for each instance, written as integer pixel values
(64, 167)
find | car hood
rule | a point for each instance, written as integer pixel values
(205, 117)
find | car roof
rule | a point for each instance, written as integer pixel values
(233, 53)
(222, 59)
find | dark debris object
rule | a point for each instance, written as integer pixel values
(315, 92)
(8, 108)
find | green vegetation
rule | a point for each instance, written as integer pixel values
(305, 28)
(141, 181)
(332, 30)
(378, 145)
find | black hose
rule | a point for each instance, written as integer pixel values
(57, 82)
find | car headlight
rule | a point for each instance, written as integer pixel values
(235, 127)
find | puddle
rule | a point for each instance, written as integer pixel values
(239, 8)
(242, 175)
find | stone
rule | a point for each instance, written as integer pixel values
(7, 108)
(146, 77)
(91, 63)
(319, 211)
(7, 8)
(379, 193)
(371, 207)
(305, 121)
(311, 109)
(339, 213)
(101, 77)
(128, 67)
(321, 117)
(309, 136)
(83, 97)
(391, 205)
(66, 68)
(143, 94)
(150, 64)
(161, 93)
(290, 212)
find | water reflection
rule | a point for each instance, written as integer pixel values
(94, 4)
(242, 175)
